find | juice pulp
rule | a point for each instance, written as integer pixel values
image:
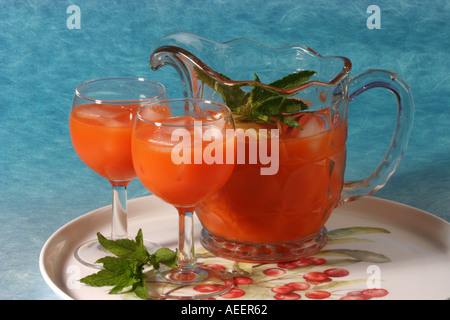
(182, 184)
(101, 136)
(290, 205)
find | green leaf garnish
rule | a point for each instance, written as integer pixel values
(261, 104)
(126, 269)
(164, 256)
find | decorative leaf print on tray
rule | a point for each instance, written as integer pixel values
(342, 235)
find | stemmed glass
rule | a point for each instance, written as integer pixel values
(183, 159)
(101, 123)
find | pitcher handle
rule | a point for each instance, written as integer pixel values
(397, 147)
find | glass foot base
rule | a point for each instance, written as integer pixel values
(264, 253)
(89, 252)
(199, 282)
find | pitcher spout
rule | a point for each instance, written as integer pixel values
(180, 50)
(172, 56)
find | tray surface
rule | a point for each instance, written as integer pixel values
(377, 249)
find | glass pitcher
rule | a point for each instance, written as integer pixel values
(294, 102)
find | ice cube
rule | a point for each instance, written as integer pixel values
(155, 113)
(102, 114)
(311, 125)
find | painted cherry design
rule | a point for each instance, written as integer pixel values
(336, 272)
(283, 289)
(365, 294)
(242, 280)
(318, 294)
(298, 286)
(316, 277)
(208, 288)
(233, 293)
(289, 290)
(374, 293)
(306, 262)
(288, 296)
(274, 272)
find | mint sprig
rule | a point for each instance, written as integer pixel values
(126, 269)
(261, 104)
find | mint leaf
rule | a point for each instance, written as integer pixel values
(261, 93)
(126, 268)
(289, 121)
(164, 256)
(270, 102)
(278, 105)
(293, 105)
(140, 253)
(140, 288)
(119, 273)
(293, 80)
(120, 247)
(261, 104)
(233, 96)
(102, 278)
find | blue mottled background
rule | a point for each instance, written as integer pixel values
(44, 184)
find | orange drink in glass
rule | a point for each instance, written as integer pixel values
(106, 153)
(101, 123)
(182, 160)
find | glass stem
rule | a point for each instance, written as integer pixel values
(119, 213)
(186, 252)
